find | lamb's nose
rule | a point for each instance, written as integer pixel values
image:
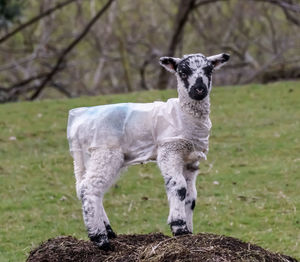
(199, 85)
(199, 90)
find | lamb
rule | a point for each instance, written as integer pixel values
(105, 139)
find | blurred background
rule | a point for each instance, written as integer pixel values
(69, 48)
(249, 186)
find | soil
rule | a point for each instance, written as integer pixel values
(155, 247)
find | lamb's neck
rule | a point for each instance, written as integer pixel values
(197, 109)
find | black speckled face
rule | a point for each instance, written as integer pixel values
(194, 72)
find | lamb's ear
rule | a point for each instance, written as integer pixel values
(218, 60)
(169, 63)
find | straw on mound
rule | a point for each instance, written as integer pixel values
(155, 248)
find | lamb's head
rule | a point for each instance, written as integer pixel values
(194, 72)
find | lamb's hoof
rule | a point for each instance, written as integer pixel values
(105, 246)
(102, 242)
(181, 231)
(110, 233)
(179, 228)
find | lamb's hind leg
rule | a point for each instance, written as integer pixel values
(103, 169)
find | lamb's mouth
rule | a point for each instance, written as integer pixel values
(199, 91)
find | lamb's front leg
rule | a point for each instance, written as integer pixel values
(171, 162)
(190, 174)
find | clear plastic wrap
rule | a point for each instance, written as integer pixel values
(138, 128)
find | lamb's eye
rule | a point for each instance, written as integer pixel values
(183, 75)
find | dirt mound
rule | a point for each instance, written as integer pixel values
(155, 247)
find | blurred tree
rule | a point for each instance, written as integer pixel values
(10, 10)
(53, 50)
(35, 84)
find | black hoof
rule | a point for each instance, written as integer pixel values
(179, 228)
(105, 246)
(101, 241)
(110, 233)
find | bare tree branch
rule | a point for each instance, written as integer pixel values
(14, 64)
(11, 94)
(69, 49)
(25, 81)
(287, 7)
(291, 18)
(283, 3)
(61, 89)
(34, 20)
(205, 2)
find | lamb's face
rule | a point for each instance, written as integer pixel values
(194, 72)
(194, 75)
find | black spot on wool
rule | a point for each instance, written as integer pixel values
(82, 193)
(184, 72)
(178, 223)
(97, 237)
(110, 232)
(85, 211)
(186, 83)
(168, 181)
(193, 204)
(192, 167)
(181, 193)
(208, 70)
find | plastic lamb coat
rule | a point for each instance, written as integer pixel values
(136, 128)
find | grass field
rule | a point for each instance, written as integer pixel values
(248, 188)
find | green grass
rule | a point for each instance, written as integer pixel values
(254, 155)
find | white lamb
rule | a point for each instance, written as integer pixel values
(105, 139)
